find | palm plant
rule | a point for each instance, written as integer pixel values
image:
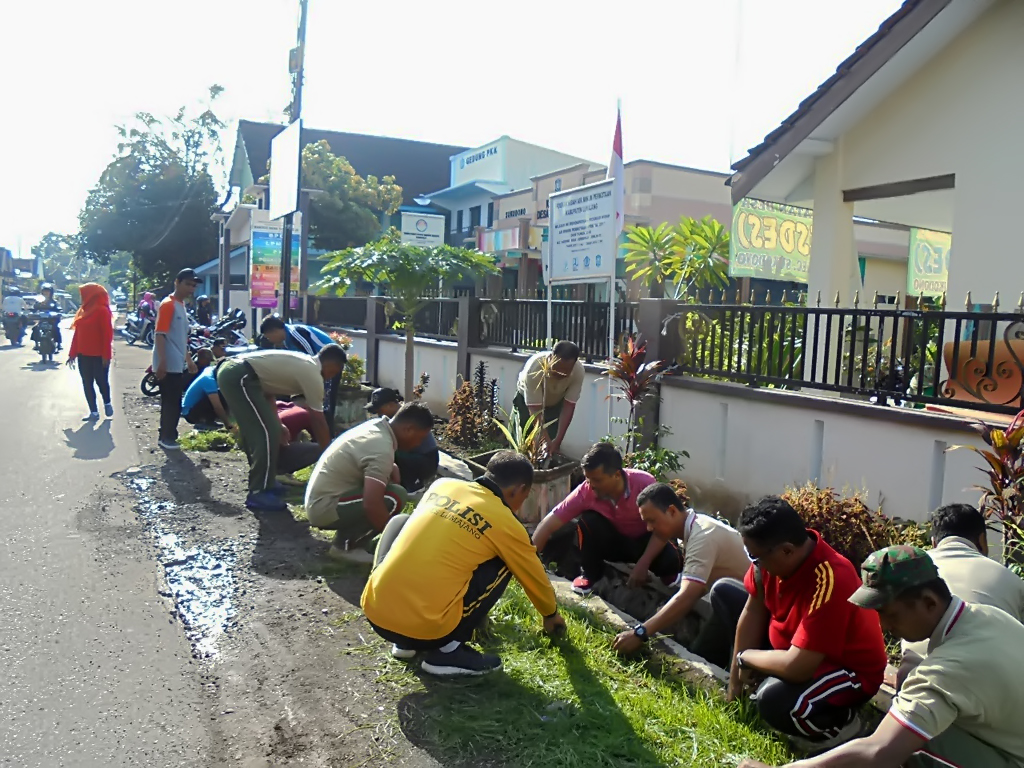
(524, 438)
(692, 255)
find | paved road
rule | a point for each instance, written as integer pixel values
(95, 671)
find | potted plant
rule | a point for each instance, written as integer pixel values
(353, 393)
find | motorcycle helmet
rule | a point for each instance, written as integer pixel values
(46, 287)
(202, 299)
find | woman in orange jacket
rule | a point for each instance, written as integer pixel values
(93, 346)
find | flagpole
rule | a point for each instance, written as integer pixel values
(620, 183)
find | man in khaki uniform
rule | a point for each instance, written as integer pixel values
(711, 551)
(960, 542)
(354, 488)
(960, 708)
(551, 394)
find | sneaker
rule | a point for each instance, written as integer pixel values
(813, 748)
(108, 410)
(463, 661)
(168, 445)
(397, 652)
(265, 501)
(277, 489)
(93, 416)
(582, 586)
(342, 555)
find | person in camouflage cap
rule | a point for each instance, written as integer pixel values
(960, 706)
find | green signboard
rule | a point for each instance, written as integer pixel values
(770, 241)
(928, 265)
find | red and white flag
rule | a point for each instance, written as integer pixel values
(617, 172)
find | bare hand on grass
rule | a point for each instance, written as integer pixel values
(554, 625)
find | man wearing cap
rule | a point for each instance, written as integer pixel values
(171, 357)
(548, 387)
(819, 658)
(416, 466)
(960, 552)
(961, 706)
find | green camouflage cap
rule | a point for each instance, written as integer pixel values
(888, 572)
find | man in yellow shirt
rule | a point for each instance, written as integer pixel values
(439, 571)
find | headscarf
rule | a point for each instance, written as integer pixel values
(94, 301)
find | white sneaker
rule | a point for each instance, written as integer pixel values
(356, 555)
(167, 445)
(848, 733)
(404, 654)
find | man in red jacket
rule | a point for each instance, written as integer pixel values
(814, 656)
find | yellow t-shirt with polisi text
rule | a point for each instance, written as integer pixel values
(418, 589)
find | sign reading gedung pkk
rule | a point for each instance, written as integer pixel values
(582, 237)
(770, 241)
(928, 266)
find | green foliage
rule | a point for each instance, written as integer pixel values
(355, 369)
(692, 255)
(347, 213)
(62, 263)
(525, 438)
(155, 198)
(210, 440)
(633, 381)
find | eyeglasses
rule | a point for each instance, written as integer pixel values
(757, 560)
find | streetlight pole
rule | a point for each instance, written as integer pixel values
(296, 62)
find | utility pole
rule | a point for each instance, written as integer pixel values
(296, 60)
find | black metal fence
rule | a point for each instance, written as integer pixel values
(889, 356)
(522, 324)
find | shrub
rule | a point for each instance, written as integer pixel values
(466, 422)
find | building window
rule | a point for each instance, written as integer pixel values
(641, 186)
(490, 215)
(474, 218)
(458, 221)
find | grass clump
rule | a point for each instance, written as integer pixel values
(572, 703)
(211, 440)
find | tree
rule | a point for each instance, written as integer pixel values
(154, 200)
(691, 255)
(62, 262)
(409, 271)
(346, 214)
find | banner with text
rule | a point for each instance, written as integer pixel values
(928, 267)
(266, 242)
(582, 239)
(770, 241)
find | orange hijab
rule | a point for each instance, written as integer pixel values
(94, 301)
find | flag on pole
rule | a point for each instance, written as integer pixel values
(617, 171)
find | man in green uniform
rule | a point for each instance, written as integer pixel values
(960, 707)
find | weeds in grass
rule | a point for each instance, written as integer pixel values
(212, 440)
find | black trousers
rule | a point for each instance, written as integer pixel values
(331, 402)
(814, 710)
(416, 469)
(94, 376)
(599, 541)
(171, 387)
(486, 586)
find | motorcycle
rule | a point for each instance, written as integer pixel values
(14, 328)
(45, 335)
(150, 385)
(137, 328)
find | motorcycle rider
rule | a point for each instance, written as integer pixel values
(14, 304)
(46, 303)
(204, 311)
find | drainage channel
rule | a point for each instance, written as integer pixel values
(200, 579)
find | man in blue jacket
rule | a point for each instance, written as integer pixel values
(275, 333)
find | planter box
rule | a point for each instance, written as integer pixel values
(349, 409)
(550, 486)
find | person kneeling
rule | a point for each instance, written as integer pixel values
(439, 571)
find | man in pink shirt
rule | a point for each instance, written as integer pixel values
(610, 526)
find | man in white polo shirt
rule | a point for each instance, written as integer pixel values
(549, 386)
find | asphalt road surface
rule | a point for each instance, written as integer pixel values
(96, 672)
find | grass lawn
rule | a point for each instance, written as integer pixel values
(568, 703)
(210, 440)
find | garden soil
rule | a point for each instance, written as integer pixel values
(274, 626)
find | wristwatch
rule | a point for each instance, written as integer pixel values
(739, 660)
(641, 631)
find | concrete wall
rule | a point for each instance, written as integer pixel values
(886, 276)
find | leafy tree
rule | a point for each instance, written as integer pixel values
(346, 214)
(155, 198)
(409, 271)
(63, 264)
(692, 255)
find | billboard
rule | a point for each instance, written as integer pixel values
(770, 241)
(265, 279)
(285, 162)
(583, 240)
(928, 265)
(422, 229)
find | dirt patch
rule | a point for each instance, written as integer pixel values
(270, 620)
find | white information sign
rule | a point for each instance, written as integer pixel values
(285, 165)
(422, 229)
(582, 238)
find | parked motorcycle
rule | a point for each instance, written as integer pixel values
(14, 328)
(137, 328)
(150, 385)
(45, 335)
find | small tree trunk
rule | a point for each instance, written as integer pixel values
(410, 360)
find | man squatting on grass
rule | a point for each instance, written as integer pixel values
(815, 657)
(439, 571)
(610, 526)
(961, 706)
(354, 489)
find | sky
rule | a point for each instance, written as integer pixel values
(701, 81)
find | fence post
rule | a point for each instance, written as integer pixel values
(468, 335)
(650, 319)
(371, 339)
